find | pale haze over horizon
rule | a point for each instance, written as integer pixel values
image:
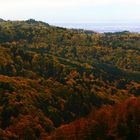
(72, 11)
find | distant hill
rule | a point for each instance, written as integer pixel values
(1, 20)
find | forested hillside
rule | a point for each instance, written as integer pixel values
(72, 84)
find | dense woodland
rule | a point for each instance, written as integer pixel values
(68, 84)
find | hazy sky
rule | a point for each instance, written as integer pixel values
(71, 11)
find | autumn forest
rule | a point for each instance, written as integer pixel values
(68, 84)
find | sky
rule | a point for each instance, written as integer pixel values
(72, 11)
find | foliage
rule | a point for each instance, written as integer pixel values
(51, 76)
